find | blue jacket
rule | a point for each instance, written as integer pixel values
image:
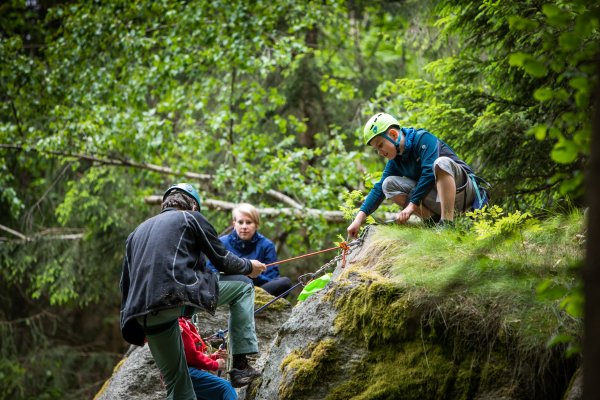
(258, 248)
(421, 149)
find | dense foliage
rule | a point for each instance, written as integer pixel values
(512, 94)
(105, 103)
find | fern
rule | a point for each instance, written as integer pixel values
(492, 221)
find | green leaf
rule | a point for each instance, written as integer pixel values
(555, 15)
(574, 302)
(518, 59)
(561, 94)
(518, 23)
(559, 339)
(582, 138)
(535, 68)
(568, 41)
(549, 290)
(565, 151)
(582, 99)
(543, 94)
(551, 10)
(580, 83)
(570, 186)
(539, 131)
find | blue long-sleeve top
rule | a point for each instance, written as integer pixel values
(421, 150)
(258, 248)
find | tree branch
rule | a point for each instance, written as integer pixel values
(149, 167)
(284, 199)
(114, 162)
(301, 213)
(17, 234)
(49, 234)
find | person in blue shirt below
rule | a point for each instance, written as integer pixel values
(246, 242)
(423, 175)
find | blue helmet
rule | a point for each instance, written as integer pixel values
(185, 188)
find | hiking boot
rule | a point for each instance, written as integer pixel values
(242, 377)
(432, 221)
(443, 225)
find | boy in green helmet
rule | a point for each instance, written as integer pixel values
(423, 175)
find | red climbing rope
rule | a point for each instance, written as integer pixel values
(303, 279)
(343, 246)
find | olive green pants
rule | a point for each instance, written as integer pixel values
(239, 294)
(166, 346)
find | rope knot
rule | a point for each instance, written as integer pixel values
(345, 247)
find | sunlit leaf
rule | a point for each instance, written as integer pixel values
(565, 152)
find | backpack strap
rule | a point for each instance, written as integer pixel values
(476, 187)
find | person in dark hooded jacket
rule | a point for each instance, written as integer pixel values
(165, 276)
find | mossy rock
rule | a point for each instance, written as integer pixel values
(463, 323)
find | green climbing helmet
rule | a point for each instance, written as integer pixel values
(377, 125)
(185, 188)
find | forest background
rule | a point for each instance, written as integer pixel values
(106, 103)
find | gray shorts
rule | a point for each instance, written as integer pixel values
(465, 192)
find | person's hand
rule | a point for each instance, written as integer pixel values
(257, 268)
(221, 353)
(222, 364)
(405, 214)
(354, 227)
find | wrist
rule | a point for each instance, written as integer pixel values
(411, 207)
(360, 217)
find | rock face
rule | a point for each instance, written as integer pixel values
(136, 376)
(366, 336)
(304, 342)
(308, 357)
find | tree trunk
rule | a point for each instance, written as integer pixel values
(591, 272)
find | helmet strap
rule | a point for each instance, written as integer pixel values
(396, 143)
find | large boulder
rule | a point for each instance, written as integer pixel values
(366, 336)
(371, 335)
(308, 357)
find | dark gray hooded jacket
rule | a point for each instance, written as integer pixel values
(165, 267)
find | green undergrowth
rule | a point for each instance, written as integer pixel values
(447, 315)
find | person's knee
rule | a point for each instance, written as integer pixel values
(394, 186)
(443, 167)
(237, 278)
(285, 283)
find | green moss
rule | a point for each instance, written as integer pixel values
(472, 305)
(418, 370)
(374, 310)
(302, 369)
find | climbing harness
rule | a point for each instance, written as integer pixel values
(305, 278)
